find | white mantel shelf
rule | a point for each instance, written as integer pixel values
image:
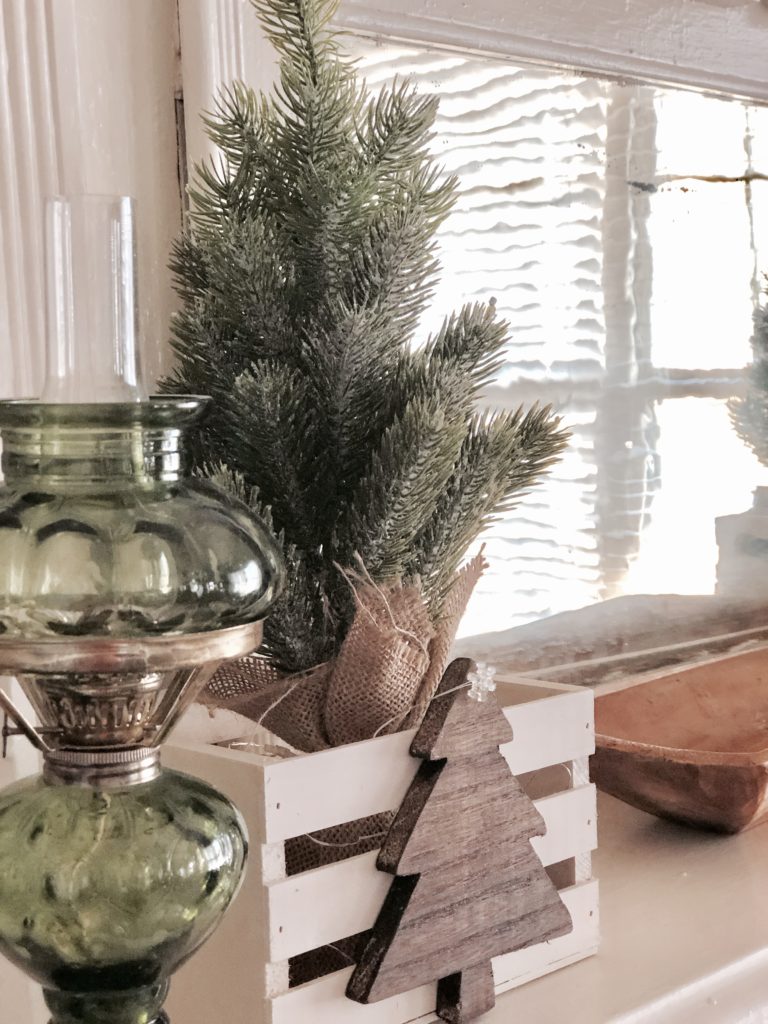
(684, 919)
(685, 935)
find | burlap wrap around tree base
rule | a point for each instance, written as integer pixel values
(382, 679)
(385, 675)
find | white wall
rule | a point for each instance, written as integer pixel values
(87, 104)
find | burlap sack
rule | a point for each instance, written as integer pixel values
(382, 679)
(381, 664)
(440, 646)
(291, 706)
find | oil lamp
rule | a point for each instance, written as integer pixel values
(124, 583)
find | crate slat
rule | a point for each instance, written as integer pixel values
(324, 1001)
(516, 969)
(346, 897)
(335, 786)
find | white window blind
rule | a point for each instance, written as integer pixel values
(601, 235)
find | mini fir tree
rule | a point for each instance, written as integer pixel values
(469, 885)
(750, 413)
(308, 261)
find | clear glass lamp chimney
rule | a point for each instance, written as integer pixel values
(124, 582)
(92, 346)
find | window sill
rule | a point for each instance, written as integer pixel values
(684, 931)
(684, 935)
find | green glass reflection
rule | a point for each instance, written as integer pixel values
(103, 533)
(105, 892)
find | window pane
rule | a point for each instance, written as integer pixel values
(702, 275)
(622, 230)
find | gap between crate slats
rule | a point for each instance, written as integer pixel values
(329, 903)
(320, 790)
(323, 1001)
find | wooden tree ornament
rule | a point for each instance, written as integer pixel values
(469, 886)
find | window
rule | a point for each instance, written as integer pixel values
(605, 324)
(598, 215)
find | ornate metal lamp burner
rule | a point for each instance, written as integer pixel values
(124, 583)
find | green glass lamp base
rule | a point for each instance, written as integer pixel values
(104, 892)
(136, 1006)
(163, 1019)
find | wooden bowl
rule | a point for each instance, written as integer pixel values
(690, 744)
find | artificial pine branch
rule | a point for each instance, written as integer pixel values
(308, 262)
(458, 362)
(270, 421)
(502, 456)
(406, 477)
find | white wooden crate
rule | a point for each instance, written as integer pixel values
(241, 975)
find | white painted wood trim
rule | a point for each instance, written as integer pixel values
(714, 45)
(324, 1001)
(29, 169)
(221, 41)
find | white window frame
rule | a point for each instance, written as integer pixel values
(718, 46)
